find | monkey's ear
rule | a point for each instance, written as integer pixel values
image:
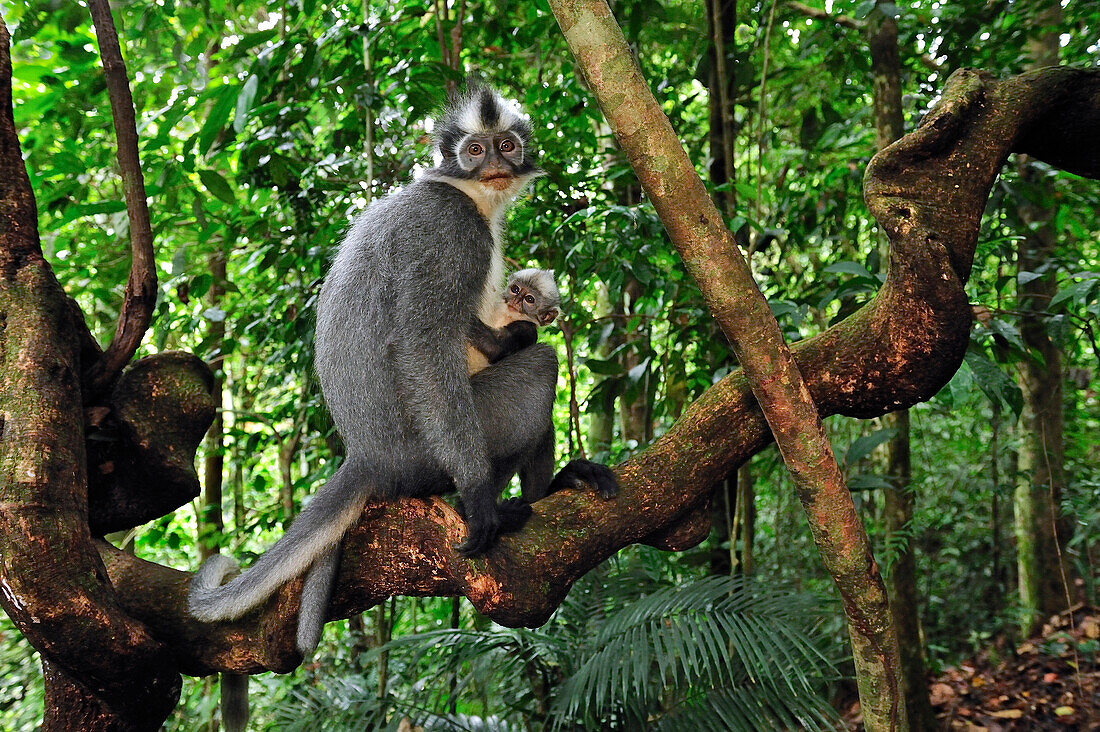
(548, 317)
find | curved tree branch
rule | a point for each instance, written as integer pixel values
(928, 191)
(105, 671)
(141, 288)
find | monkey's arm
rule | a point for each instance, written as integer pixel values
(496, 344)
(429, 364)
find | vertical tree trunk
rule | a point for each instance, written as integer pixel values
(601, 410)
(711, 256)
(104, 670)
(882, 38)
(635, 413)
(722, 23)
(211, 521)
(1042, 452)
(746, 496)
(902, 581)
(997, 569)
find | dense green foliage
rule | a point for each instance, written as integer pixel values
(266, 126)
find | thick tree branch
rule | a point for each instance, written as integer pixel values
(55, 586)
(928, 190)
(141, 445)
(141, 288)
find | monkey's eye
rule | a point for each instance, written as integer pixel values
(530, 300)
(507, 146)
(475, 149)
(515, 288)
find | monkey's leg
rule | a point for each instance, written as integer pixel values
(514, 398)
(536, 473)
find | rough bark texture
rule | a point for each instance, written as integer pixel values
(55, 588)
(141, 444)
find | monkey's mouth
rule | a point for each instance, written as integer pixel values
(497, 179)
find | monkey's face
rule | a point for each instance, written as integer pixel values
(527, 303)
(492, 159)
(485, 139)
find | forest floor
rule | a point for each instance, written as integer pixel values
(1049, 682)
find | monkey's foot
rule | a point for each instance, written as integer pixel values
(482, 527)
(586, 474)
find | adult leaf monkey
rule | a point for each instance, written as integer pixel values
(416, 275)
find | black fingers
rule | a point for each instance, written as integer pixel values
(482, 528)
(585, 473)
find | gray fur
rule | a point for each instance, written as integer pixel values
(390, 355)
(314, 604)
(234, 702)
(542, 281)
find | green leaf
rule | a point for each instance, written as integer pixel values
(244, 102)
(72, 213)
(994, 383)
(854, 268)
(217, 185)
(1025, 277)
(603, 367)
(865, 445)
(1078, 292)
(216, 119)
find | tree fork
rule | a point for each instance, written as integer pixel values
(104, 668)
(141, 288)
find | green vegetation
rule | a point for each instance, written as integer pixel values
(264, 127)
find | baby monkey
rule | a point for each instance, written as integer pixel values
(531, 300)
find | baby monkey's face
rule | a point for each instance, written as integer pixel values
(527, 302)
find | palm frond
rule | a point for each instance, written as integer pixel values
(714, 633)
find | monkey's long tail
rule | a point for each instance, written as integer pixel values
(320, 526)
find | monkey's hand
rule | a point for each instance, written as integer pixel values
(495, 343)
(585, 473)
(519, 334)
(514, 513)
